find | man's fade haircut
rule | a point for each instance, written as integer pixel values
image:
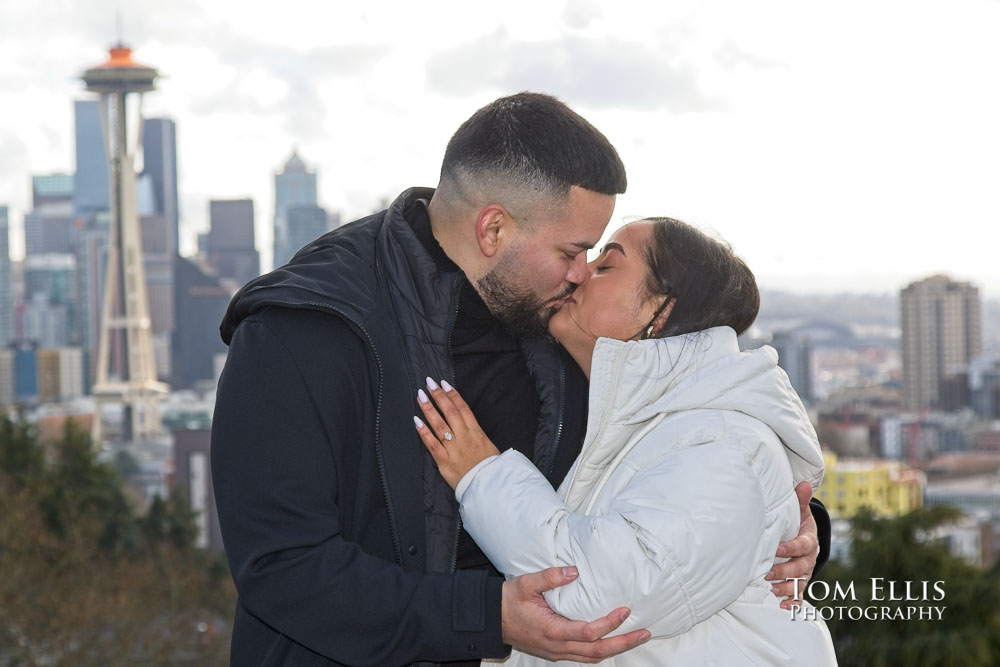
(535, 144)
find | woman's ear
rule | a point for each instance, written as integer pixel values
(660, 321)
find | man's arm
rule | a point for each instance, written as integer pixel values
(807, 553)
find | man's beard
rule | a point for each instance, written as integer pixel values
(520, 312)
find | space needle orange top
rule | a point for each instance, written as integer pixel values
(120, 74)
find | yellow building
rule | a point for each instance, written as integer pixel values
(889, 488)
(48, 375)
(60, 374)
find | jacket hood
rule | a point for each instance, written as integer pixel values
(634, 382)
(314, 277)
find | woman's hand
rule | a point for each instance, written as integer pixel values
(453, 435)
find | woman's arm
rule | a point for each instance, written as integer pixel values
(676, 545)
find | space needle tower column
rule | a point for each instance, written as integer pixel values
(126, 372)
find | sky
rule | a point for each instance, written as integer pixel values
(849, 146)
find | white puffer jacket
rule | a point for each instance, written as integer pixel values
(674, 508)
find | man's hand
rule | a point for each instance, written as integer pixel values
(802, 552)
(529, 625)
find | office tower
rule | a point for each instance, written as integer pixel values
(304, 225)
(6, 377)
(159, 157)
(91, 262)
(230, 244)
(25, 372)
(60, 374)
(200, 302)
(49, 299)
(51, 225)
(6, 281)
(942, 331)
(294, 185)
(193, 478)
(126, 372)
(984, 385)
(795, 357)
(90, 183)
(159, 219)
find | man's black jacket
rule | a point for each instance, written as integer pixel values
(318, 472)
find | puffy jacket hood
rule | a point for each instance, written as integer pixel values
(636, 382)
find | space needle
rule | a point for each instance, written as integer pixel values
(126, 372)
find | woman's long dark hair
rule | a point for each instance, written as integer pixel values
(711, 286)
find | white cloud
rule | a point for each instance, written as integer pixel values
(819, 139)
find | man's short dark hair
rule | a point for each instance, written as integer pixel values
(537, 142)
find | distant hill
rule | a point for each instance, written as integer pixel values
(864, 309)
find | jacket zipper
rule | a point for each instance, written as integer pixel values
(562, 415)
(451, 365)
(396, 551)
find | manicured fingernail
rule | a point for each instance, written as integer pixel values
(570, 572)
(644, 637)
(769, 576)
(624, 615)
(431, 384)
(416, 420)
(421, 396)
(446, 386)
(782, 550)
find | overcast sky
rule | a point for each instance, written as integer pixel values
(838, 146)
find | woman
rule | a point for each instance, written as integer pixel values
(683, 488)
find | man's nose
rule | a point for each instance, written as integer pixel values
(578, 271)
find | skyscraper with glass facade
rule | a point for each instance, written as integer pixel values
(294, 186)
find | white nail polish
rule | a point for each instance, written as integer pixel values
(421, 396)
(416, 420)
(446, 386)
(431, 384)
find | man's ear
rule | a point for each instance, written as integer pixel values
(492, 225)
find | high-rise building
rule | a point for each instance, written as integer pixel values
(942, 331)
(25, 372)
(795, 357)
(91, 191)
(60, 374)
(984, 385)
(91, 262)
(231, 248)
(294, 185)
(159, 220)
(50, 299)
(193, 478)
(6, 281)
(6, 377)
(305, 224)
(200, 302)
(159, 157)
(51, 225)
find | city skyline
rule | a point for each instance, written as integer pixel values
(831, 148)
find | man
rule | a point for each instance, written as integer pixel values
(343, 540)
